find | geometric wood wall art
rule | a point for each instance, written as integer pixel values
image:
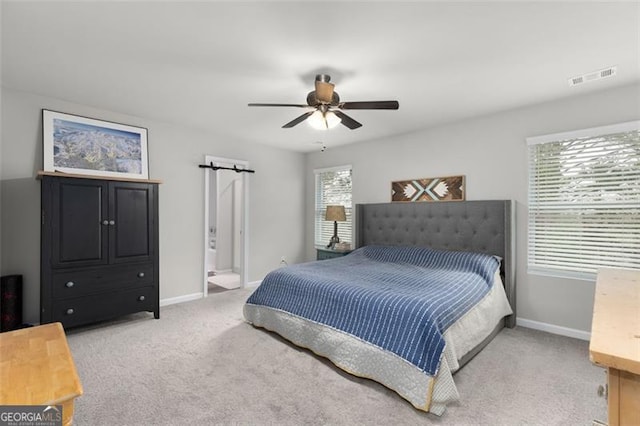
(450, 188)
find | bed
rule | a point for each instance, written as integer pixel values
(429, 285)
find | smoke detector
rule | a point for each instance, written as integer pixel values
(323, 146)
(593, 76)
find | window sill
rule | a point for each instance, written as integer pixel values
(572, 275)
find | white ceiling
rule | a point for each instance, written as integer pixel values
(198, 64)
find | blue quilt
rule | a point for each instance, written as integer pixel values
(401, 299)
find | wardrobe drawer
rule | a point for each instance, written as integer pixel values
(88, 281)
(96, 307)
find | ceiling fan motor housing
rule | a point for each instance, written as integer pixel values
(313, 101)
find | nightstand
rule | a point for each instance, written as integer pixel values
(323, 253)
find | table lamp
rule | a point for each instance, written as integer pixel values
(336, 214)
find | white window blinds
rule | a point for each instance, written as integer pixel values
(333, 187)
(584, 200)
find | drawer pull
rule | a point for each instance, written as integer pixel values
(70, 311)
(140, 274)
(141, 298)
(69, 284)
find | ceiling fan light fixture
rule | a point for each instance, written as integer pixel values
(324, 109)
(320, 121)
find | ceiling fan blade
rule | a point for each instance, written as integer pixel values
(369, 105)
(324, 91)
(298, 120)
(278, 105)
(347, 121)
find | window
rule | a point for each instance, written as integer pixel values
(584, 201)
(333, 187)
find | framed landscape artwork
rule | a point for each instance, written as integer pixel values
(450, 188)
(81, 145)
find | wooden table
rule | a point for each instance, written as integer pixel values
(36, 368)
(615, 341)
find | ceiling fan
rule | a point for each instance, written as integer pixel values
(325, 109)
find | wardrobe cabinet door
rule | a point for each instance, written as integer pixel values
(131, 216)
(79, 235)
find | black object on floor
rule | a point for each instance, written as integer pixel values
(10, 302)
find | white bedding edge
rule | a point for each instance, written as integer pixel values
(363, 359)
(463, 336)
(474, 326)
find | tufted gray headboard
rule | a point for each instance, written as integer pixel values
(479, 226)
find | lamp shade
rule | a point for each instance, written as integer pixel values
(323, 121)
(335, 213)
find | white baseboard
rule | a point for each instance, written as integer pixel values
(180, 299)
(196, 296)
(554, 329)
(252, 284)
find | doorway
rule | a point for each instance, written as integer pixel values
(225, 225)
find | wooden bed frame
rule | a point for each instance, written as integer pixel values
(478, 226)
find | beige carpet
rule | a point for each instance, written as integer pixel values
(200, 364)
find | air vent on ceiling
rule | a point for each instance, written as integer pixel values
(593, 76)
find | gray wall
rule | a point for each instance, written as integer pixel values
(276, 205)
(491, 152)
